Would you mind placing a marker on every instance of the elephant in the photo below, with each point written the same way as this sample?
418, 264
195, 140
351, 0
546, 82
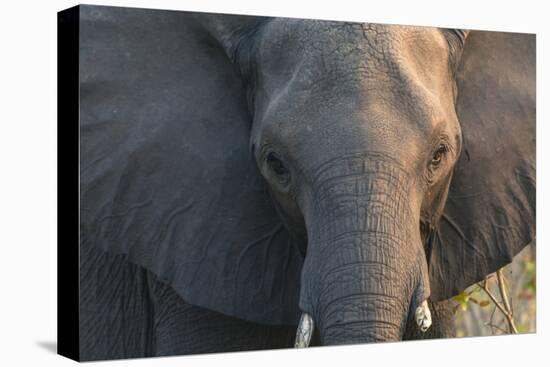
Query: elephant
252, 182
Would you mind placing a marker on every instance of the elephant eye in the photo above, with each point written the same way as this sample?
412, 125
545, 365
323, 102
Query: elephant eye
276, 165
438, 155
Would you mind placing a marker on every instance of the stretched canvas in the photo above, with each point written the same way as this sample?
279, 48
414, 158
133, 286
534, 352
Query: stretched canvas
252, 182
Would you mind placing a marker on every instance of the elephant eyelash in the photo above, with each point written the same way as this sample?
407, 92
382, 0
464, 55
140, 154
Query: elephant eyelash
436, 161
278, 171
276, 165
439, 154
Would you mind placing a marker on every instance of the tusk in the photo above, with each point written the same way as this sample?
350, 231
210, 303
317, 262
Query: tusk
423, 317
304, 332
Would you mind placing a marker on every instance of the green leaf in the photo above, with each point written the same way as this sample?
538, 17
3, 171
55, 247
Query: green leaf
484, 303
522, 328
462, 299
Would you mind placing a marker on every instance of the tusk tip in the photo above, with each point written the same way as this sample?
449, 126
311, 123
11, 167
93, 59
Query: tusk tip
423, 317
304, 332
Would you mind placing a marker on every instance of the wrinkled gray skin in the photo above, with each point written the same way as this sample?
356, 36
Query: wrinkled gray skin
354, 131
328, 138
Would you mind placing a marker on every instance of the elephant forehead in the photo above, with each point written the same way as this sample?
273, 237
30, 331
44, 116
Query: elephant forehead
350, 87
321, 51
352, 67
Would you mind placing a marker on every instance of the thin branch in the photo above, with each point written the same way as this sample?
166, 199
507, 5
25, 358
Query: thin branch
496, 327
491, 320
492, 297
506, 311
506, 302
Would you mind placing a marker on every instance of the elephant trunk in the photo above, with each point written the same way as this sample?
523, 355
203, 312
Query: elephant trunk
365, 268
365, 294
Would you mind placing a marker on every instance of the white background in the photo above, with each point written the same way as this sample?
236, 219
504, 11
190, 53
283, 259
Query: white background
28, 182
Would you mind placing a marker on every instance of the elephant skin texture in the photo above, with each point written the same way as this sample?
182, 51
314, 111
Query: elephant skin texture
237, 172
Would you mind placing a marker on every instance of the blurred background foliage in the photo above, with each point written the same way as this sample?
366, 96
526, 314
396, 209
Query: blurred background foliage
476, 314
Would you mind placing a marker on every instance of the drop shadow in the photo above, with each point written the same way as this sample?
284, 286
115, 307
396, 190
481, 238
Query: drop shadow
50, 346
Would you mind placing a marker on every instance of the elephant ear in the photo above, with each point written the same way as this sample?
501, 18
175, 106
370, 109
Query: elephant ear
167, 178
490, 212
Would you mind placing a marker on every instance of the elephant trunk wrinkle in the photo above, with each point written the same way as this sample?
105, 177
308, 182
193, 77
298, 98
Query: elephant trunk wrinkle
362, 302
365, 265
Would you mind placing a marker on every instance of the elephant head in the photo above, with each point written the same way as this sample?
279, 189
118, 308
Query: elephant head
269, 167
